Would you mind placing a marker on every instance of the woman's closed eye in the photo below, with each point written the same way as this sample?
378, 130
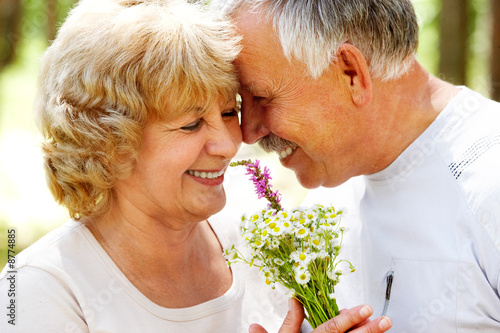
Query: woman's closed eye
192, 126
230, 113
195, 125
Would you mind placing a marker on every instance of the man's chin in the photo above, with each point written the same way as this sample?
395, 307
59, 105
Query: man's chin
308, 181
311, 180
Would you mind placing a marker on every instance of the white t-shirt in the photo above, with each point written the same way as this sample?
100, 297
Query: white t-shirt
66, 282
432, 218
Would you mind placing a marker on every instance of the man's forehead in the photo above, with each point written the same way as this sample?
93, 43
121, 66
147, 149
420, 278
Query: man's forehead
258, 67
257, 31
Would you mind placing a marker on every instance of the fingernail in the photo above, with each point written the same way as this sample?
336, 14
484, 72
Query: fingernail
290, 303
365, 311
385, 323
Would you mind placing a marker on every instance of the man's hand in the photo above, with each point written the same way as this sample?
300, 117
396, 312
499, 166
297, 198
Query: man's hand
353, 320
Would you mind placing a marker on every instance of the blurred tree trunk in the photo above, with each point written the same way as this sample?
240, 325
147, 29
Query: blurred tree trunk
453, 41
10, 30
56, 11
51, 19
495, 48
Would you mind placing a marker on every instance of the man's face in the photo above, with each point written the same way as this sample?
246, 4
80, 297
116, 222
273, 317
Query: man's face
280, 100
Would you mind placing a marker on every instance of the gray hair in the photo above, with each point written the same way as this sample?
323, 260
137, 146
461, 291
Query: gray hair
311, 31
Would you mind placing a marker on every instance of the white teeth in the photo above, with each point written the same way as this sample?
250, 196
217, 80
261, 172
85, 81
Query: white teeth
286, 152
203, 174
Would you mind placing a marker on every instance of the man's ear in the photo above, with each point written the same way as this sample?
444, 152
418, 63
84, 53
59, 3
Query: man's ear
354, 74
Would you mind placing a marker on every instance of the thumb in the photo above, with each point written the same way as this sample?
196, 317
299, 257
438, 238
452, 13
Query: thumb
256, 328
291, 324
294, 317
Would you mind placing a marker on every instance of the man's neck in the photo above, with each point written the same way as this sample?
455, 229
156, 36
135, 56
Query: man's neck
407, 106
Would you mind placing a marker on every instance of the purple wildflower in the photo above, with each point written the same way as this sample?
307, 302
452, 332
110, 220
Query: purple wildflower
260, 179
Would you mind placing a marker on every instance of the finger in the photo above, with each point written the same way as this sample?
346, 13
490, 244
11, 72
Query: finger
366, 321
256, 328
346, 319
343, 311
294, 317
378, 325
291, 323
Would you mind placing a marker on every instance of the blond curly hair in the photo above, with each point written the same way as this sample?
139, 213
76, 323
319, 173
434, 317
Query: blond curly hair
114, 66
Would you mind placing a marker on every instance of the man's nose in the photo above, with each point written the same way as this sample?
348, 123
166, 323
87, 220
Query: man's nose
252, 122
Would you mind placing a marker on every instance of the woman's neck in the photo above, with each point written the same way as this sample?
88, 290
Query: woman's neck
173, 265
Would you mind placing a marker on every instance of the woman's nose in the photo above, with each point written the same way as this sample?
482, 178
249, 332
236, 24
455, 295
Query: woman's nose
225, 139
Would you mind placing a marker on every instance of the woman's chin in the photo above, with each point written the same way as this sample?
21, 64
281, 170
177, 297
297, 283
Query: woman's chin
211, 207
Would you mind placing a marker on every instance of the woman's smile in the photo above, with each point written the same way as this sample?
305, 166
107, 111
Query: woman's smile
212, 178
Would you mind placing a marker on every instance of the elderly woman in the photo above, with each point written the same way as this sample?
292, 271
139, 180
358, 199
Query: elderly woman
138, 112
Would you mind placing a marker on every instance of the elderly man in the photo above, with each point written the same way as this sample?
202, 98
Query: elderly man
333, 86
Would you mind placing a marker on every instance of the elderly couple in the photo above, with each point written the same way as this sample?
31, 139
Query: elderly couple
137, 107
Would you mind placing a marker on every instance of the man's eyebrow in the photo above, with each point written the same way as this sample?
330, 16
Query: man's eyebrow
254, 90
248, 87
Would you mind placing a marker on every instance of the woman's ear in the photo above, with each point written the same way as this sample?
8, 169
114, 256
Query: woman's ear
354, 74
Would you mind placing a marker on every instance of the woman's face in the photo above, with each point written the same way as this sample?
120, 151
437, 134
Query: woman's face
181, 163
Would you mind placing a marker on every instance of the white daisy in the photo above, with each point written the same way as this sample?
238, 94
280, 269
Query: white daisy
302, 257
230, 253
264, 234
279, 261
287, 227
257, 243
278, 230
274, 244
302, 276
302, 232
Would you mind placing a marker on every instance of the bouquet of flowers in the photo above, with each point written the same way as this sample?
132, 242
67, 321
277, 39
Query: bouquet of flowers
298, 249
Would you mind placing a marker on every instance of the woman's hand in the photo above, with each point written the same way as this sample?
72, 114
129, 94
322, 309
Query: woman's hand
354, 320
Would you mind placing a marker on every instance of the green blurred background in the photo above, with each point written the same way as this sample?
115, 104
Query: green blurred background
460, 46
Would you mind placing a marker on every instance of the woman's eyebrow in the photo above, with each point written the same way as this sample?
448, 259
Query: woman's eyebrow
195, 109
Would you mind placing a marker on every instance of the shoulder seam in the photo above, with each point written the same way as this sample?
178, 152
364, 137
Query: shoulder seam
475, 151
